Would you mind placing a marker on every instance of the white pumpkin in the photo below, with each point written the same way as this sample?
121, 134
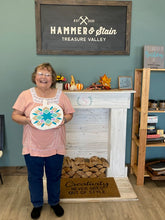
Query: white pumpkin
73, 87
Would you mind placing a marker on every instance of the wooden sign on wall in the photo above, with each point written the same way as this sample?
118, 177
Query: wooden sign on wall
154, 57
83, 27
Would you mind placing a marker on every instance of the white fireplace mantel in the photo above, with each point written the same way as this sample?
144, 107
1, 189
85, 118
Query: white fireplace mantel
99, 127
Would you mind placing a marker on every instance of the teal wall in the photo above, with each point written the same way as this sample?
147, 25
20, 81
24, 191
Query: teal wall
18, 58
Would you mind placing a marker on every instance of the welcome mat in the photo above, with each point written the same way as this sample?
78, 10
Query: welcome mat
88, 188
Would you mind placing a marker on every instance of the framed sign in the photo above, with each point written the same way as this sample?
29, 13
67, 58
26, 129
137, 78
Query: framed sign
83, 27
125, 82
154, 57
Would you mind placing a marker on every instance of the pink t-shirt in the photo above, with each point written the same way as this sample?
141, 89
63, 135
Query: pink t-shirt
37, 142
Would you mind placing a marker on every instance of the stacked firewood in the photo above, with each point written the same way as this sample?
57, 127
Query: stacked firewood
84, 168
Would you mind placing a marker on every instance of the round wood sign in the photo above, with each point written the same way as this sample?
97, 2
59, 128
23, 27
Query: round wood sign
46, 116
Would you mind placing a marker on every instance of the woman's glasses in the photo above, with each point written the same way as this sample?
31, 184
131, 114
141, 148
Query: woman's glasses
46, 74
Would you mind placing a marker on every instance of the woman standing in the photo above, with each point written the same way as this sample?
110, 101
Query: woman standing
43, 148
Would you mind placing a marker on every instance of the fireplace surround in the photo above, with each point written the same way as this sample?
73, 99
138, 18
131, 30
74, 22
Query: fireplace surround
98, 127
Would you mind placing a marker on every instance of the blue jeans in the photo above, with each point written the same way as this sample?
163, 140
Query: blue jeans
53, 168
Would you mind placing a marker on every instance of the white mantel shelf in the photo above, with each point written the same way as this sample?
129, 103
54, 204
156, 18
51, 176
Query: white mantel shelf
98, 127
100, 98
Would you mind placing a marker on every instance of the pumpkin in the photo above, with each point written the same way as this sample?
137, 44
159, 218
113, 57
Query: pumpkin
67, 86
73, 87
79, 86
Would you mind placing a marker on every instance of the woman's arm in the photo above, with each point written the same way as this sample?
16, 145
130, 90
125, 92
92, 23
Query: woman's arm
68, 117
20, 118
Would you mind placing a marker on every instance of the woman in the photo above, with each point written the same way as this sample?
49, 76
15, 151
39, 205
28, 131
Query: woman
43, 148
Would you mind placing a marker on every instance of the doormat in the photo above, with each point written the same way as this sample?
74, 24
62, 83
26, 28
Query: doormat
88, 188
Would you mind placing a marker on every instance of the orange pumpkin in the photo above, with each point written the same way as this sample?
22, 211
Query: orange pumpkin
79, 86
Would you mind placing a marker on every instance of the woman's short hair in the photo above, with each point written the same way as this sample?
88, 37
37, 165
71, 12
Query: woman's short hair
49, 68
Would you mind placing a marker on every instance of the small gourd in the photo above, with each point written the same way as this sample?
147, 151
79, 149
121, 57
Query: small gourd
79, 86
73, 87
67, 86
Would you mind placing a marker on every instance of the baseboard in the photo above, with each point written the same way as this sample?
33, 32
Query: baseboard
13, 171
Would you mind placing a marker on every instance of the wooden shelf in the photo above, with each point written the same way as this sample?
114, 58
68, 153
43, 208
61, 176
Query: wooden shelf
153, 177
156, 144
135, 170
149, 111
156, 70
140, 116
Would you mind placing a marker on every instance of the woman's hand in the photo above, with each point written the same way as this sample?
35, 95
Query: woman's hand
20, 118
66, 119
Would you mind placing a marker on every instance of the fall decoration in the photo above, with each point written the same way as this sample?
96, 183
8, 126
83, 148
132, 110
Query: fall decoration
46, 116
60, 78
72, 80
67, 86
79, 86
73, 87
72, 84
103, 83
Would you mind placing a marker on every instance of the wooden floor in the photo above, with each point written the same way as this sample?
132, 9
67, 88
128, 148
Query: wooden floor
15, 203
